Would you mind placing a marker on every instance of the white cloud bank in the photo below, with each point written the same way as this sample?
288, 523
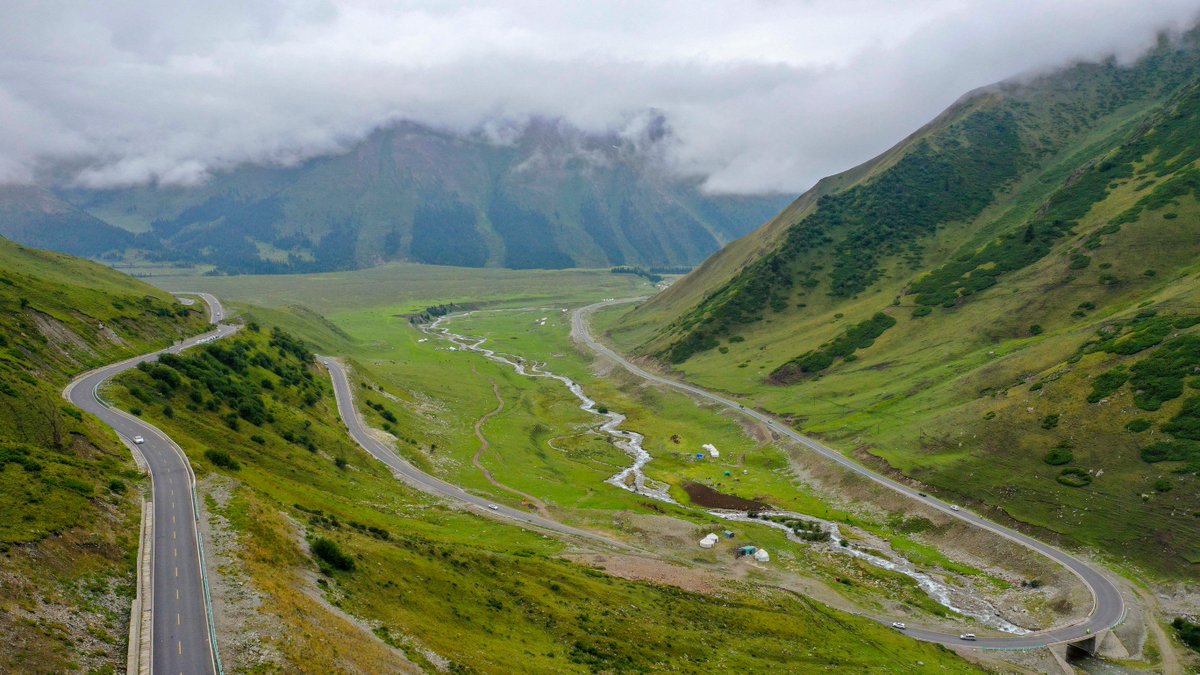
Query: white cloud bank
761, 96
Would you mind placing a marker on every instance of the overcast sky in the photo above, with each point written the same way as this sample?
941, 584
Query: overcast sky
761, 96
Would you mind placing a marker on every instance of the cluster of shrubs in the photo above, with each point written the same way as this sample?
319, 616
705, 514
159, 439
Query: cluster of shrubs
303, 440
329, 553
1074, 476
1159, 377
1188, 632
327, 520
222, 459
858, 336
931, 185
1147, 329
806, 530
383, 412
1060, 454
1173, 451
1107, 383
637, 271
16, 453
911, 524
434, 311
227, 379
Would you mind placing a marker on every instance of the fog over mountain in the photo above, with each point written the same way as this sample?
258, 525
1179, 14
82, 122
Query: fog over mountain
757, 97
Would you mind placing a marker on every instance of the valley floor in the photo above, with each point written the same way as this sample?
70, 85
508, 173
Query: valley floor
430, 398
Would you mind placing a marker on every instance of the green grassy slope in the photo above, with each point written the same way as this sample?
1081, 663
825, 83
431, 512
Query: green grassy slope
68, 489
943, 328
437, 582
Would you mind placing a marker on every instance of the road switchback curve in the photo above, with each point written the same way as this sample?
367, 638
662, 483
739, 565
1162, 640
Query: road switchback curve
1108, 606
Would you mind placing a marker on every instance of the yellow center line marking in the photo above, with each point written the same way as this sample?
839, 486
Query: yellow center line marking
172, 519
176, 593
181, 647
172, 534
177, 618
176, 571
175, 551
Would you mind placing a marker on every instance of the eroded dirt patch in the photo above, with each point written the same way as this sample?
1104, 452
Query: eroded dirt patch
702, 495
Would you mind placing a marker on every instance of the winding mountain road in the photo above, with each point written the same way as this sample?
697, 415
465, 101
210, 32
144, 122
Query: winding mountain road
427, 483
1108, 606
181, 631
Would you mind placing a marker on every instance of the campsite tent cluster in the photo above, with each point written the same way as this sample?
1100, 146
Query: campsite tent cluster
761, 555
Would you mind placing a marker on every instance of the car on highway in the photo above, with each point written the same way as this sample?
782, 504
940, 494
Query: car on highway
899, 625
493, 507
969, 637
139, 440
922, 494
953, 507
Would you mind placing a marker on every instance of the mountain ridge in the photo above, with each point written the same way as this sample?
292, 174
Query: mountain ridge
977, 350
550, 196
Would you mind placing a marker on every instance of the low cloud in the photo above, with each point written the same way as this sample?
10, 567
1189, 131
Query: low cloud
761, 96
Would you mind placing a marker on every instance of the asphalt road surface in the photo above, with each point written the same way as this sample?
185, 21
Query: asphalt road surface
1108, 607
180, 632
427, 483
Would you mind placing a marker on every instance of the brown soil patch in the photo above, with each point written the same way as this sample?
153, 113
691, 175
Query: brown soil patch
702, 495
636, 568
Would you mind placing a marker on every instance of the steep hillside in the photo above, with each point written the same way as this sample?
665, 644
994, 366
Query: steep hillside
69, 504
36, 217
549, 197
948, 308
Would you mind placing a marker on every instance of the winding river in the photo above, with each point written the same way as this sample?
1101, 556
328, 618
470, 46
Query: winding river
947, 596
634, 479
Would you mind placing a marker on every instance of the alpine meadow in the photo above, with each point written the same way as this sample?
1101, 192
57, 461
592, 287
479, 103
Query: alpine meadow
499, 337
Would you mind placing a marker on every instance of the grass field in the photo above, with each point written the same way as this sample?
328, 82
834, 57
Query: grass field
434, 396
436, 581
407, 288
677, 428
429, 398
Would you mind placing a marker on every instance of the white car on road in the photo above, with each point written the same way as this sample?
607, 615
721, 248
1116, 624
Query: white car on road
493, 507
898, 625
139, 440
